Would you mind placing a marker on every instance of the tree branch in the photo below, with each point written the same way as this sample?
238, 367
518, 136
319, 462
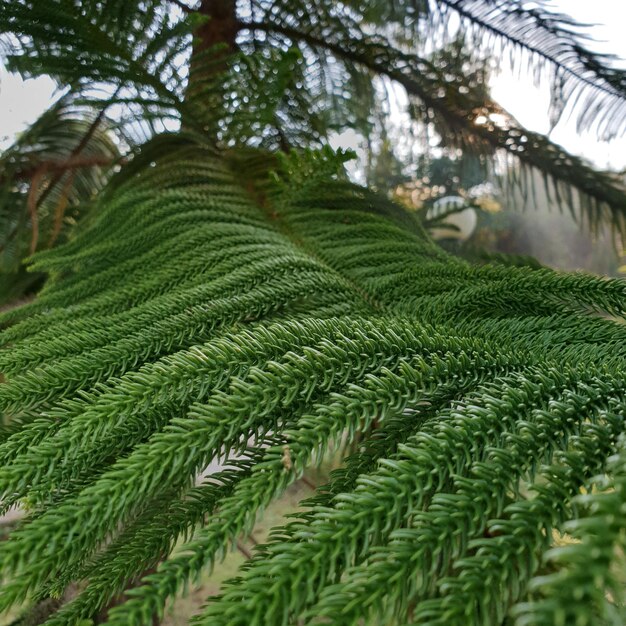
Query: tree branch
74, 163
31, 205
459, 111
609, 87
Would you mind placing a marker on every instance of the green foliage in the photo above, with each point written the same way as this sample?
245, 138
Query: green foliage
227, 305
583, 589
230, 298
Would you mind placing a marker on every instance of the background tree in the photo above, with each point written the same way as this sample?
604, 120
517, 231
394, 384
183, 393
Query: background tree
232, 295
47, 180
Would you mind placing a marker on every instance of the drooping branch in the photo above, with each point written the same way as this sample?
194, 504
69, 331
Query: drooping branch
462, 112
31, 205
550, 39
59, 211
555, 55
80, 146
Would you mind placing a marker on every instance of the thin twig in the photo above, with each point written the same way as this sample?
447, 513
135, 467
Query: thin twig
71, 163
308, 483
244, 550
59, 212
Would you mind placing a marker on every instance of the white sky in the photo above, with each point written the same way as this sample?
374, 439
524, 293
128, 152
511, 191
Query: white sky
22, 101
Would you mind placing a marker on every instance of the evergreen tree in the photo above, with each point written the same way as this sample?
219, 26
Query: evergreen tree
232, 295
46, 188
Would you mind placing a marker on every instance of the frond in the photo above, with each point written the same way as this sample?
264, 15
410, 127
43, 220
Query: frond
532, 36
110, 52
234, 305
585, 585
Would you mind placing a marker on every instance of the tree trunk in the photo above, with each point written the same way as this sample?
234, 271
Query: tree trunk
214, 41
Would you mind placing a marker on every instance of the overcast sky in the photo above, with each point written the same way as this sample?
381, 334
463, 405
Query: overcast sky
21, 102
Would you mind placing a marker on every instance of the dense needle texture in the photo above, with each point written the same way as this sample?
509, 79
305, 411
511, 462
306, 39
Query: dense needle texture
223, 293
230, 304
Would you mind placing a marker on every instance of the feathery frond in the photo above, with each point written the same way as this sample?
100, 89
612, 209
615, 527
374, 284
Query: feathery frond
233, 298
214, 309
582, 81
